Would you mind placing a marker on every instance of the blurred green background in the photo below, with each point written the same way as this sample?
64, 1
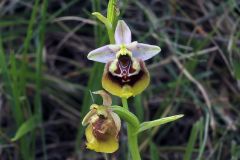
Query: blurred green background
46, 79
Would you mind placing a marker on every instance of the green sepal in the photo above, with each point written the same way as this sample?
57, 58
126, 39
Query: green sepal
108, 25
147, 125
103, 19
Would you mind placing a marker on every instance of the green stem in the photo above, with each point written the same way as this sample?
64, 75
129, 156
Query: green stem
132, 136
111, 36
126, 115
112, 18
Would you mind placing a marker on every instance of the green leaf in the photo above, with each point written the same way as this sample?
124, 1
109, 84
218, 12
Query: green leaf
146, 125
26, 127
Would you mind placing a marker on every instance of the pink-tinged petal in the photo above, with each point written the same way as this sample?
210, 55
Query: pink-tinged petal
143, 51
104, 54
122, 33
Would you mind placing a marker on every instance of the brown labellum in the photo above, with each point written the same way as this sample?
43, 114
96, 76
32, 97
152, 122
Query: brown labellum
102, 128
125, 74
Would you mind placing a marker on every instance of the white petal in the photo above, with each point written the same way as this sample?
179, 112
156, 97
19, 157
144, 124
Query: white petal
122, 33
143, 51
104, 54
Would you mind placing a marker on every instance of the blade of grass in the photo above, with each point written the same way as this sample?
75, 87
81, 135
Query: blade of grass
71, 3
7, 23
154, 153
26, 44
139, 109
38, 83
205, 137
30, 152
235, 151
192, 140
14, 96
26, 127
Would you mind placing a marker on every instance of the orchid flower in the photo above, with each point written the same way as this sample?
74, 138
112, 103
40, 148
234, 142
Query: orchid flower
125, 73
103, 126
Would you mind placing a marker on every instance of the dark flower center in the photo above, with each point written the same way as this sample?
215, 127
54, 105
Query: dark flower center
125, 74
125, 67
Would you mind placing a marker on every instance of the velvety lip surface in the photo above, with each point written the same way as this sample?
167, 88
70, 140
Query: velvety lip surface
124, 69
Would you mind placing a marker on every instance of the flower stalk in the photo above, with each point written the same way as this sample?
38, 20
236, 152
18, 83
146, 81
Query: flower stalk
132, 136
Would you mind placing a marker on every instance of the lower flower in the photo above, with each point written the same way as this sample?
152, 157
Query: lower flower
103, 126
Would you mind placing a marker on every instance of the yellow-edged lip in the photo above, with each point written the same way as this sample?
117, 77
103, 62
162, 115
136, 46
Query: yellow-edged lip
108, 145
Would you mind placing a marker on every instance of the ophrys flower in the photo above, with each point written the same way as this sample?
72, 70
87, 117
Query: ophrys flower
103, 126
125, 73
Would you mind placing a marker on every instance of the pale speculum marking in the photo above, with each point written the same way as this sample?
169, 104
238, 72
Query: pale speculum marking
125, 68
125, 73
